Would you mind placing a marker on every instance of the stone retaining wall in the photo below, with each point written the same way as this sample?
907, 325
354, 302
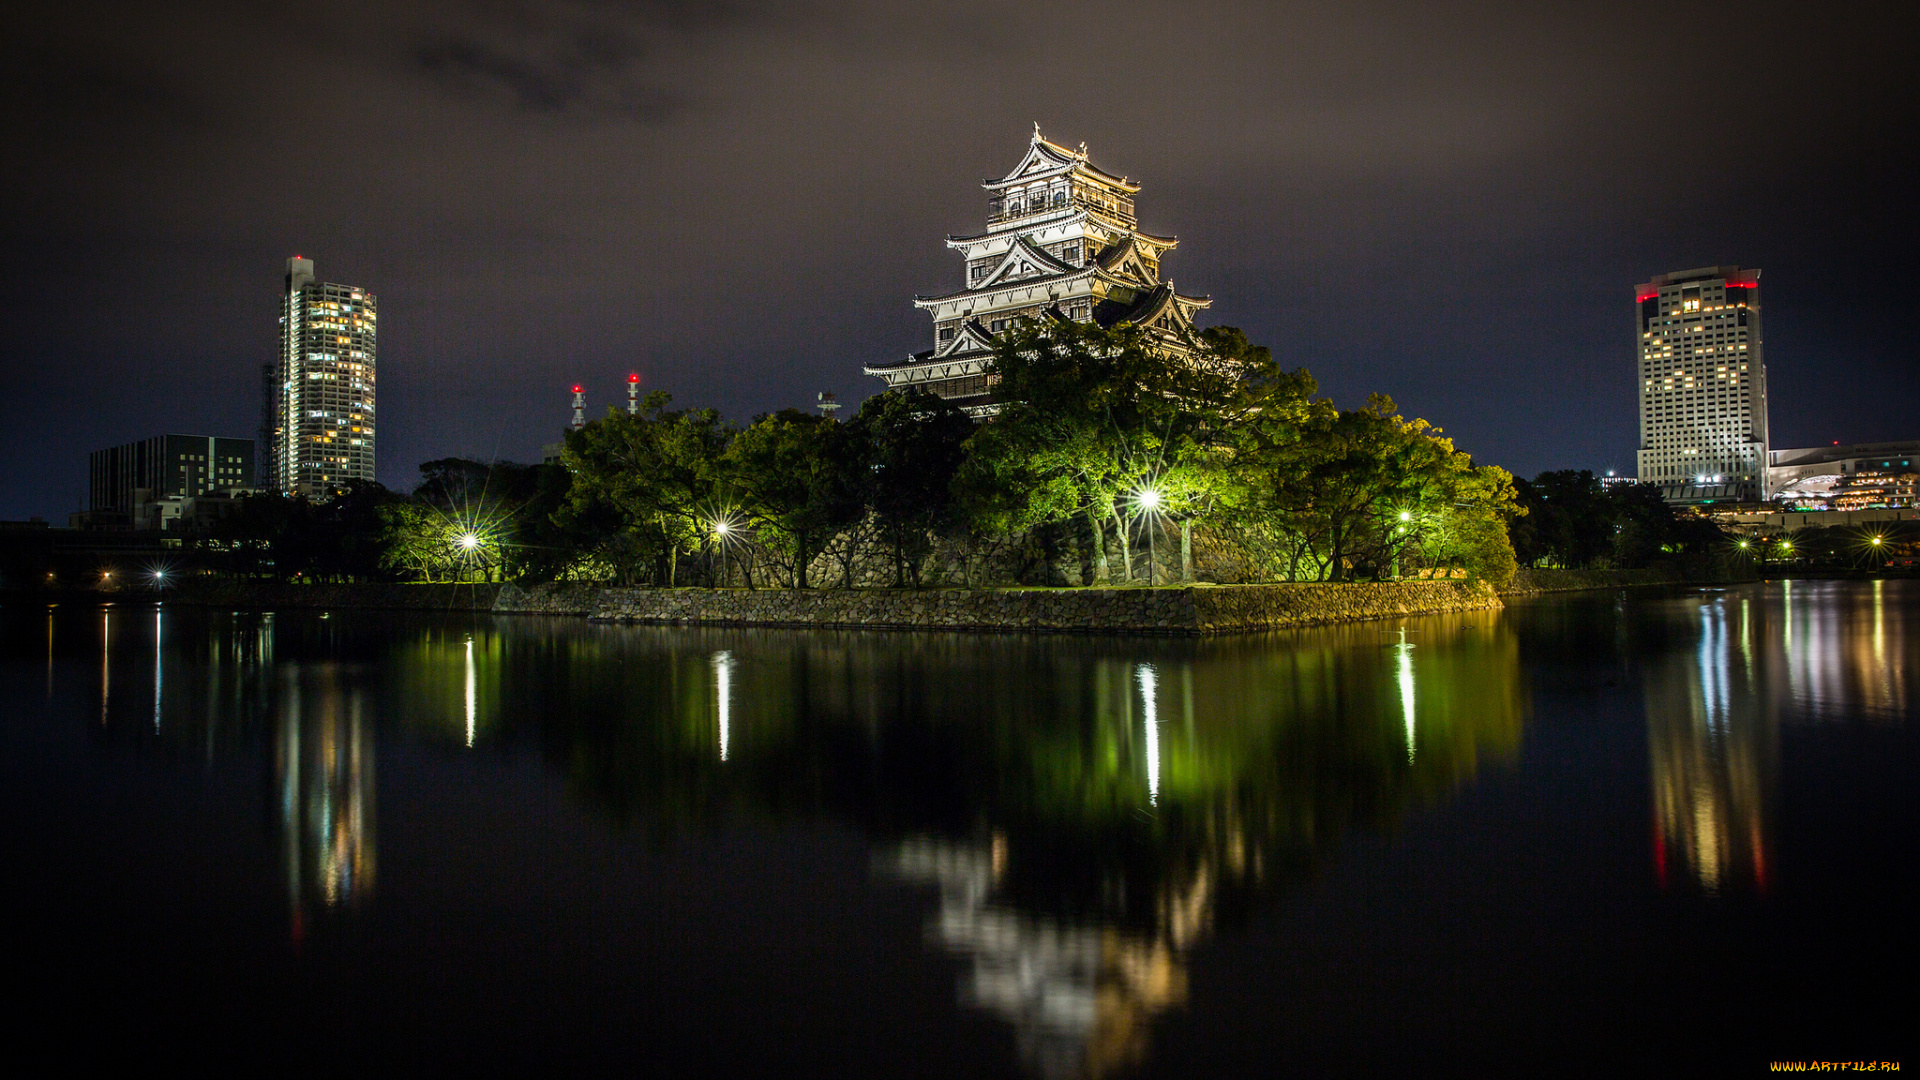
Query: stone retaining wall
550, 599
1189, 610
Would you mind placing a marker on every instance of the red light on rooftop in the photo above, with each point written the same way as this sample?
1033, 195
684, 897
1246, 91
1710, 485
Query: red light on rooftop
634, 377
1644, 297
1743, 284
576, 388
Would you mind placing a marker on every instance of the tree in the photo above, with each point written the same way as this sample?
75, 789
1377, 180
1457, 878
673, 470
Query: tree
787, 471
645, 487
1093, 417
901, 454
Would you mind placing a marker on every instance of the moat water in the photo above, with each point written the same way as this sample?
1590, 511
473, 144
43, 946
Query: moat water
1592, 829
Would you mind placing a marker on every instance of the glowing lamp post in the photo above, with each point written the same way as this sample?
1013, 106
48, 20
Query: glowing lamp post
1148, 500
1406, 519
721, 530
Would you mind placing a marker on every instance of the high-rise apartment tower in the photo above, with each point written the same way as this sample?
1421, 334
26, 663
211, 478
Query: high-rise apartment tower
320, 394
1703, 385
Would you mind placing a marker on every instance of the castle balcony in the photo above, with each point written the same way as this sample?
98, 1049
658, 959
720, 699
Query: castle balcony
1118, 210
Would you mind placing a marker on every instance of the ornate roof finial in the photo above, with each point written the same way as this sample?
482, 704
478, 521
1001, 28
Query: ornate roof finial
1036, 131
1083, 151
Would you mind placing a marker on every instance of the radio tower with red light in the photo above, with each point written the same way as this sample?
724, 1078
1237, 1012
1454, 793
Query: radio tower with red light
579, 407
633, 394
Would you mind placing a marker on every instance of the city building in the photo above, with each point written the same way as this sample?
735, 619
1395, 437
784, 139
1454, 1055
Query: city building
1703, 386
319, 413
1062, 244
1854, 477
126, 483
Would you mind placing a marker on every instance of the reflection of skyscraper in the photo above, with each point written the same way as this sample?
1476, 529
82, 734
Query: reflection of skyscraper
323, 771
1712, 742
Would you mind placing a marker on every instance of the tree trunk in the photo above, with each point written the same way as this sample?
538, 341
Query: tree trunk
1126, 548
1186, 550
1101, 573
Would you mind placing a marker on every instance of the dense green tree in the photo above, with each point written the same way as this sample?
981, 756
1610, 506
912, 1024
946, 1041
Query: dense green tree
787, 471
901, 454
1092, 419
1575, 522
645, 488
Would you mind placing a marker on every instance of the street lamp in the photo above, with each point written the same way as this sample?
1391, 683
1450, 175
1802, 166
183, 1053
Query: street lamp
467, 541
721, 529
1148, 499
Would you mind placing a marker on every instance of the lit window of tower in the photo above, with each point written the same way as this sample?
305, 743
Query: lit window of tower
1702, 385
319, 411
1062, 244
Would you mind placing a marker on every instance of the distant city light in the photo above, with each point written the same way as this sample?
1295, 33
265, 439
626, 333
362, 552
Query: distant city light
1876, 541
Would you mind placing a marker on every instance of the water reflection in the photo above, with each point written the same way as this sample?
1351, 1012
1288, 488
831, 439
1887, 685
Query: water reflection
1080, 997
723, 697
1719, 669
1713, 741
1076, 816
323, 773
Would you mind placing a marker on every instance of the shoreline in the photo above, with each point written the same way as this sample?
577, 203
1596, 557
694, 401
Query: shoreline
1170, 610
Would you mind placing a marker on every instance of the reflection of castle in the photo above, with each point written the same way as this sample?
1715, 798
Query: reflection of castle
1080, 997
323, 773
1712, 744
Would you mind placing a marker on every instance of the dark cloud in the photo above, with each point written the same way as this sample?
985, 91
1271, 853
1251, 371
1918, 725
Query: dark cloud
1444, 202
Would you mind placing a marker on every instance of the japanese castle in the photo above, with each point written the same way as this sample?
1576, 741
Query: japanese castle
1060, 244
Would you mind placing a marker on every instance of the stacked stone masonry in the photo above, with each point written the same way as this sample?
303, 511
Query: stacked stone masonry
1186, 611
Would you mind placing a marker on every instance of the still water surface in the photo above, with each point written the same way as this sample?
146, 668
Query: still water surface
1589, 829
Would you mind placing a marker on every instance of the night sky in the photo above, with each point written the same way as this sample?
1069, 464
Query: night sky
1450, 204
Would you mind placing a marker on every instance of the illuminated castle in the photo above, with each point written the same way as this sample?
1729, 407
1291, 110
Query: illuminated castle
1061, 243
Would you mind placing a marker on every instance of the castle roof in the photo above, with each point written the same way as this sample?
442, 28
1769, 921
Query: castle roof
1045, 159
